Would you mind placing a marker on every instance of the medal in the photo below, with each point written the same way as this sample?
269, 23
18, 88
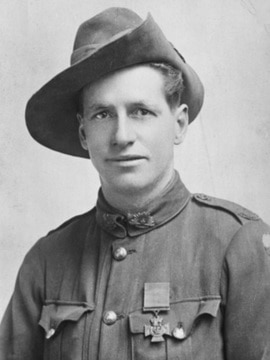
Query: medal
157, 329
156, 299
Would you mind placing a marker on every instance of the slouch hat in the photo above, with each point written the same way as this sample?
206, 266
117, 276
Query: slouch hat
112, 40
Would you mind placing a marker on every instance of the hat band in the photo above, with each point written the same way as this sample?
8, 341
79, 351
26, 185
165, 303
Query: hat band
85, 51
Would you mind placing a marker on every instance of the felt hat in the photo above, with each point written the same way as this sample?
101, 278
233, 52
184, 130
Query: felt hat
112, 40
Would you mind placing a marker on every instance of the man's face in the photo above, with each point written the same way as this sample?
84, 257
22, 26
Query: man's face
129, 130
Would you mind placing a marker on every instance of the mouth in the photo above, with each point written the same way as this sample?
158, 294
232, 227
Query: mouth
127, 159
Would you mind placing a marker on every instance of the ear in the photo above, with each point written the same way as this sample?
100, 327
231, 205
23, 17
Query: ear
181, 123
82, 133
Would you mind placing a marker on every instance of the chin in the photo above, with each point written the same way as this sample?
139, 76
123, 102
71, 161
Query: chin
130, 183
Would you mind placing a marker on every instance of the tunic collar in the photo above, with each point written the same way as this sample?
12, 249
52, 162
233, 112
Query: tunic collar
157, 213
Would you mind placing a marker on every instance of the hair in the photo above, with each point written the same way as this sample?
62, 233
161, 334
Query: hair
173, 84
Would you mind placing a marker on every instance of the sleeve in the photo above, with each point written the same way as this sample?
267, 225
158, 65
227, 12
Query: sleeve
246, 273
20, 335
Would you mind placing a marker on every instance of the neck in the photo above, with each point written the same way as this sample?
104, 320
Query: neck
133, 200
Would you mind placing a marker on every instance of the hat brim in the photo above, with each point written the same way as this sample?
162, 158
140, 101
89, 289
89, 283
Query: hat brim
51, 112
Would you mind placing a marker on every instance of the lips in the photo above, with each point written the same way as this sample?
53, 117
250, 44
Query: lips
126, 158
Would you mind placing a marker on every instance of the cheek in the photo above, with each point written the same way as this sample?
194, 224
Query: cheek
96, 138
163, 136
165, 143
162, 151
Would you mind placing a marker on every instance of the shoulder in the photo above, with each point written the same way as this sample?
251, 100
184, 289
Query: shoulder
74, 222
67, 237
225, 207
220, 221
249, 230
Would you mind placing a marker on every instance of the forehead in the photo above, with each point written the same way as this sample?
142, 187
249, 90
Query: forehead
129, 84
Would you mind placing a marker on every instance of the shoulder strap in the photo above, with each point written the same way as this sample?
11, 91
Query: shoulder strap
242, 214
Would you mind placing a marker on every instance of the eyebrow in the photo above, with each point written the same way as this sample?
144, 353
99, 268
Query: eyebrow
138, 103
144, 104
98, 106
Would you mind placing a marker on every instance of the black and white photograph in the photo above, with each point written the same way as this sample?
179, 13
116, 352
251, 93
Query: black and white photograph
135, 180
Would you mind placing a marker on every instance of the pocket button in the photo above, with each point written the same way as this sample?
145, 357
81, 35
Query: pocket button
179, 333
50, 333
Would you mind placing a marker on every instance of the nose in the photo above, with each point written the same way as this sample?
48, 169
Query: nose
123, 133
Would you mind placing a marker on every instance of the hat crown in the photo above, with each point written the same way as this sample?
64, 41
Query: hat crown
105, 25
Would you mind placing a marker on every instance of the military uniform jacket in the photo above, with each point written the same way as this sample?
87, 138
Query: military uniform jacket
80, 291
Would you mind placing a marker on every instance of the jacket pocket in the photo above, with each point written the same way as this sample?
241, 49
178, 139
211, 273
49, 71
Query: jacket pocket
64, 327
188, 324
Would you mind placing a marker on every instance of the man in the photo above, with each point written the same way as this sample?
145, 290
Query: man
152, 272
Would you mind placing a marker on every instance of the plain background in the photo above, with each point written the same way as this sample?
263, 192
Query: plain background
227, 150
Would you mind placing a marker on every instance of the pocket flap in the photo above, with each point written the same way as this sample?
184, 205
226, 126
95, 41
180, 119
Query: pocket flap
53, 315
181, 318
209, 307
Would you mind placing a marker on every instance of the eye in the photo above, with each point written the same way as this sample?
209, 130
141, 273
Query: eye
102, 115
141, 112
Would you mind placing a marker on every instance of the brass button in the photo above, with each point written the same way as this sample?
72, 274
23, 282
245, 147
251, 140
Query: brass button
120, 253
109, 317
50, 333
179, 333
203, 197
